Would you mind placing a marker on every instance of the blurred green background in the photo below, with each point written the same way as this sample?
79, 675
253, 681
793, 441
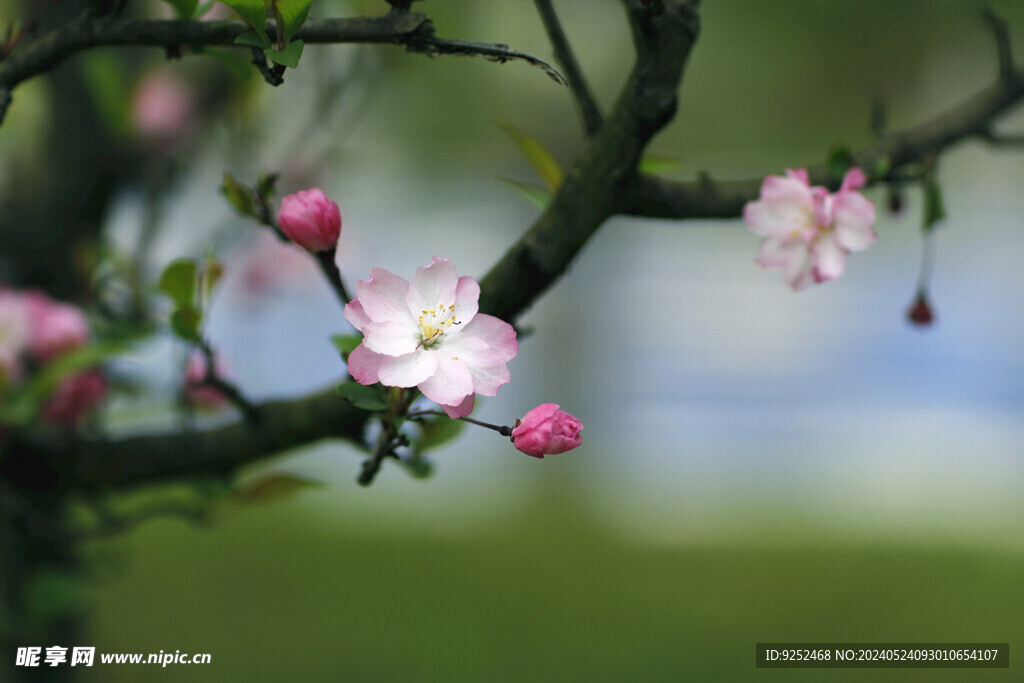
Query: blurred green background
757, 465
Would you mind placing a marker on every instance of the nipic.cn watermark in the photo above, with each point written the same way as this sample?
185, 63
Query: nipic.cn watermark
58, 655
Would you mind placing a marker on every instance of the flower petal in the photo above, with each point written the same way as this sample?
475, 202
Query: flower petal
450, 383
467, 297
383, 296
392, 338
406, 371
797, 271
853, 180
363, 364
829, 258
355, 314
494, 333
460, 410
853, 216
431, 286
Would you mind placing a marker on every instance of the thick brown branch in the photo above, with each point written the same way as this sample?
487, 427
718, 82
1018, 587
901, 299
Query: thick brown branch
900, 152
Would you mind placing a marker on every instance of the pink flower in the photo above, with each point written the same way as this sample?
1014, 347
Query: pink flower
428, 334
163, 108
311, 220
547, 430
56, 327
15, 333
75, 397
807, 231
197, 391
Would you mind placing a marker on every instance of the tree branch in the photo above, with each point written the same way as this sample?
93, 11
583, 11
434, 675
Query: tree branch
589, 111
663, 35
39, 54
899, 152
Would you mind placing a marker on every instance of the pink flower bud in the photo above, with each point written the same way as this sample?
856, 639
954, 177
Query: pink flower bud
76, 396
56, 327
547, 430
920, 312
311, 220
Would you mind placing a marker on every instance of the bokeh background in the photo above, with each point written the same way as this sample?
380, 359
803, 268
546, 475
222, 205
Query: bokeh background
757, 465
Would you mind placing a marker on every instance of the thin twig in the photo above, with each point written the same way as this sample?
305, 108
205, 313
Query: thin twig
1004, 52
330, 269
230, 391
589, 110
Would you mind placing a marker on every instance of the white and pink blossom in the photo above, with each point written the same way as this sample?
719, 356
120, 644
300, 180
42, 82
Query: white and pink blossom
807, 231
56, 327
427, 333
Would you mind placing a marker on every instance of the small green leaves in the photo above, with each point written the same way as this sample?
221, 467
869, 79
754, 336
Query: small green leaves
252, 39
178, 281
254, 12
934, 207
290, 15
537, 196
239, 196
840, 160
542, 161
346, 344
362, 396
437, 432
289, 56
190, 289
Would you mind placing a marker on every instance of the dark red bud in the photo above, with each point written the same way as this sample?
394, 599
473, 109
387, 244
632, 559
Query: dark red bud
920, 313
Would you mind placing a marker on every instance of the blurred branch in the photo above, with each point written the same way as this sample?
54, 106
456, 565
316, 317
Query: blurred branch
40, 53
904, 154
228, 389
663, 35
589, 111
1004, 52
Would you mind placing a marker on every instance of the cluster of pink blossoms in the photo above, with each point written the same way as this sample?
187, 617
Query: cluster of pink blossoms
36, 330
807, 231
427, 332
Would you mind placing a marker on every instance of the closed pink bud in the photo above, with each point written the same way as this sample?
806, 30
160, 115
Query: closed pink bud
311, 220
75, 397
547, 430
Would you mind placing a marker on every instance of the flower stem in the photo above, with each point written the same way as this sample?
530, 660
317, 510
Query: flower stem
503, 430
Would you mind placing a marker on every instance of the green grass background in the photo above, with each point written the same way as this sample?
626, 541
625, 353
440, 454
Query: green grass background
277, 594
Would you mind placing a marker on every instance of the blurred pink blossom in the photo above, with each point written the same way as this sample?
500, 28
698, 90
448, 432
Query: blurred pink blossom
546, 430
428, 333
56, 327
807, 231
310, 219
75, 397
164, 108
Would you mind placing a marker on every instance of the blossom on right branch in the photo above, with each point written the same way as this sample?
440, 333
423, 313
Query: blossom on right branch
807, 231
546, 430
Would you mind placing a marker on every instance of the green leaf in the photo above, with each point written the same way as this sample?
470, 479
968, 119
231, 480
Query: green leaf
291, 14
653, 163
253, 39
185, 323
934, 206
274, 487
236, 64
437, 432
289, 56
253, 11
543, 163
840, 160
266, 184
211, 276
346, 344
420, 468
537, 196
362, 396
239, 196
178, 281
183, 9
